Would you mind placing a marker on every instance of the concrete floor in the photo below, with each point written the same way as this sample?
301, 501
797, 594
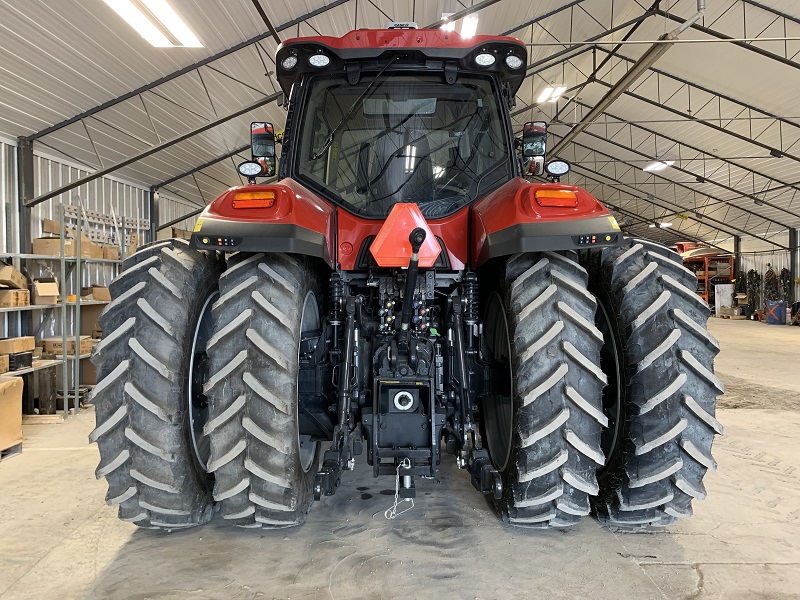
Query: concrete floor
58, 540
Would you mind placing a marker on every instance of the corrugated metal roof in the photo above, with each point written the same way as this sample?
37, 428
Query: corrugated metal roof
717, 102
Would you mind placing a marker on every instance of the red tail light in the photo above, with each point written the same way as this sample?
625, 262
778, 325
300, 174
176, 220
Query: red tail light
260, 199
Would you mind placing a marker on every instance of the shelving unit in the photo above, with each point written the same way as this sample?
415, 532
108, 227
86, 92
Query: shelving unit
70, 270
710, 271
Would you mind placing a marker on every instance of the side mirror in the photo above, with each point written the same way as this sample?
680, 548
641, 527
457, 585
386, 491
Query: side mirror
534, 139
262, 146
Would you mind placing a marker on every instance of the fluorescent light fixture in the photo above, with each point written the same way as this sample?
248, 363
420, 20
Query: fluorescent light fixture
543, 97
665, 225
658, 165
411, 158
652, 225
449, 25
174, 24
551, 94
662, 225
469, 26
143, 26
557, 93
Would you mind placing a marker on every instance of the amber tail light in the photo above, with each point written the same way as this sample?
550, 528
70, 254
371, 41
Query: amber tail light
556, 198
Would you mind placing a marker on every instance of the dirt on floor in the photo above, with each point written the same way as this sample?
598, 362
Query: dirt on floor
742, 393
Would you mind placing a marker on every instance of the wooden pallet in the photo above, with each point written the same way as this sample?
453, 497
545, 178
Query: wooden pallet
44, 419
9, 452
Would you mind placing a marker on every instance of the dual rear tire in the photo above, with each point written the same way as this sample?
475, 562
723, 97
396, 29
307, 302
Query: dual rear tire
196, 373
612, 391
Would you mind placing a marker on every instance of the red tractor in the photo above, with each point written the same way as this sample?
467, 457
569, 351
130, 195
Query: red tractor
402, 291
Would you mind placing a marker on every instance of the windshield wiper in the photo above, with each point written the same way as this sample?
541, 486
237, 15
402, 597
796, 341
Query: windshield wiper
329, 140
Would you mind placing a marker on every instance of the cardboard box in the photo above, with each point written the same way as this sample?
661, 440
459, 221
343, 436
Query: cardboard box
101, 293
51, 246
88, 373
12, 278
10, 411
110, 252
17, 344
91, 250
45, 291
14, 298
3, 363
89, 316
55, 345
51, 226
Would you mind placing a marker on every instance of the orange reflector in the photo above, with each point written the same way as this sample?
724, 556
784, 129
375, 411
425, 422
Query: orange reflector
391, 247
261, 199
556, 198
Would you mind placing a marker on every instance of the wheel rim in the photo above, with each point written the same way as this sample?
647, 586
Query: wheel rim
498, 411
610, 363
309, 322
198, 375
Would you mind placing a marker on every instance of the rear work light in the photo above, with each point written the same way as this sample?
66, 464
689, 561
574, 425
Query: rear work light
556, 198
262, 199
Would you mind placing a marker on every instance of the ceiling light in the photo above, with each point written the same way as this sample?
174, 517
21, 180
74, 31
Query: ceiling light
469, 26
544, 95
658, 165
557, 93
651, 225
143, 26
174, 24
551, 94
448, 25
665, 225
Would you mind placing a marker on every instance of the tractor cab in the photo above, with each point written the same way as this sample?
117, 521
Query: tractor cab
401, 115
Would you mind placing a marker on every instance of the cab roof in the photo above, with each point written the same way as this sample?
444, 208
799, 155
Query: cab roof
423, 48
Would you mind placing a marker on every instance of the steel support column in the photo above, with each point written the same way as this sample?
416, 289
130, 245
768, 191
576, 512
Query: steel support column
154, 207
794, 274
737, 254
24, 190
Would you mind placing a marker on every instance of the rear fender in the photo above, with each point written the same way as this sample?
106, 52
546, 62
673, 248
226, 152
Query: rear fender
298, 222
512, 219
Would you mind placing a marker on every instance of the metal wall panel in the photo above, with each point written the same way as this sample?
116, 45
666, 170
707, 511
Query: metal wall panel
8, 195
